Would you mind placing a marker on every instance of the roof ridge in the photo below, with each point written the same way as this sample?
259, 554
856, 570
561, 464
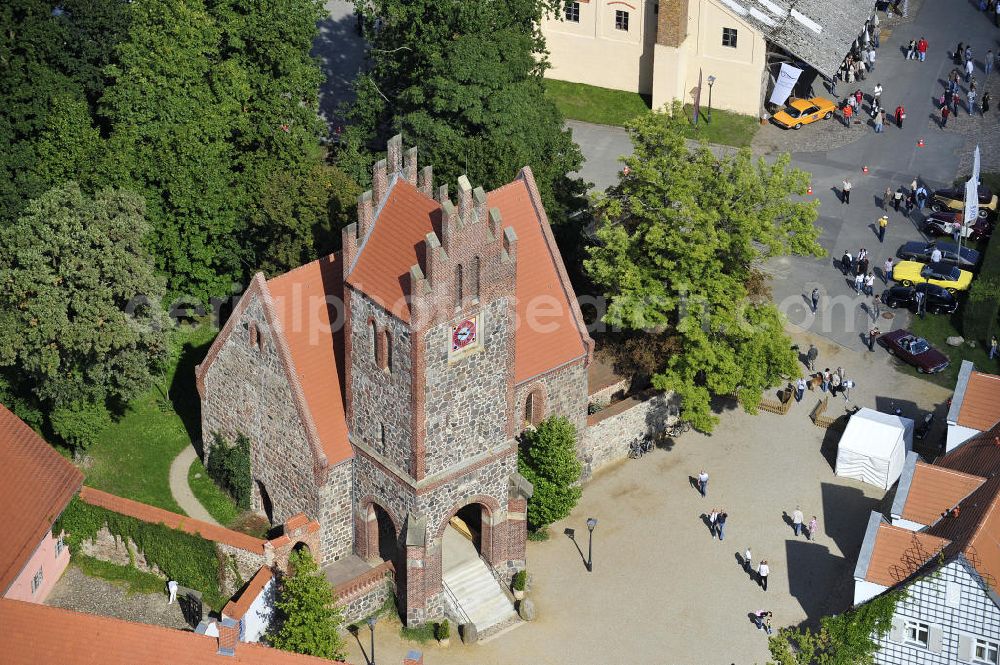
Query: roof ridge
944, 469
982, 521
334, 255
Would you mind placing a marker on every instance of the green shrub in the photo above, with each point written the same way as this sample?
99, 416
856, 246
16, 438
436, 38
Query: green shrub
80, 423
979, 318
443, 630
229, 466
547, 459
520, 580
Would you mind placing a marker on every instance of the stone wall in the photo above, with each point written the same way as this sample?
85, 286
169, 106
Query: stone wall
610, 430
246, 391
240, 567
363, 596
381, 397
466, 400
336, 513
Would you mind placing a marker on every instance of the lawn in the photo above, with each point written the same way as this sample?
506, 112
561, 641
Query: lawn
936, 329
726, 127
602, 106
216, 502
132, 457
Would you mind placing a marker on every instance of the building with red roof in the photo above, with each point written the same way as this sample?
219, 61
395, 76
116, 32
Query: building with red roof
38, 484
382, 387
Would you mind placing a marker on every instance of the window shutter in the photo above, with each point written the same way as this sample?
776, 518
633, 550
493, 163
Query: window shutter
896, 632
934, 639
952, 595
964, 648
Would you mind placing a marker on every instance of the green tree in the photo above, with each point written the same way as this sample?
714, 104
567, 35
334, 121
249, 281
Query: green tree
680, 245
547, 459
308, 619
463, 82
81, 327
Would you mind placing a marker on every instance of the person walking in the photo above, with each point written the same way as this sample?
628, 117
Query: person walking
969, 68
811, 356
845, 198
877, 93
936, 255
767, 618
919, 297
846, 262
944, 116
870, 284
858, 97
811, 528
758, 618
748, 562
834, 384
847, 112
871, 59
872, 335
703, 483
959, 51
713, 517
763, 570
875, 308
883, 222
921, 197
886, 198
988, 62
879, 121
800, 389
887, 270
900, 116
859, 281
797, 520
985, 103
825, 381
897, 198
846, 389
172, 590
956, 99
814, 298
970, 101
863, 265
720, 524
921, 49
911, 49
993, 347
909, 202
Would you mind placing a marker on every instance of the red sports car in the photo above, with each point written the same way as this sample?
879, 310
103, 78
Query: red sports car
914, 350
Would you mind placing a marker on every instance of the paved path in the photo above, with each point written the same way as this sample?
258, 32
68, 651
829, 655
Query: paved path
341, 52
82, 593
182, 491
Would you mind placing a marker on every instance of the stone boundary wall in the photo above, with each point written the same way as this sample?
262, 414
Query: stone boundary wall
605, 394
366, 593
610, 430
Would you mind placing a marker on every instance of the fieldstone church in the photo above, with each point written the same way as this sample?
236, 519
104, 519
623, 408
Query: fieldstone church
382, 387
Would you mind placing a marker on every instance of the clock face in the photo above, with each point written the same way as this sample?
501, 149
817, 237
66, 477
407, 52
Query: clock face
464, 335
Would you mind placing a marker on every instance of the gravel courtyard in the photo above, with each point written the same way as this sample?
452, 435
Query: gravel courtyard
662, 590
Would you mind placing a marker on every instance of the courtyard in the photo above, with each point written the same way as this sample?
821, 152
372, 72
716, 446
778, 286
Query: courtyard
663, 590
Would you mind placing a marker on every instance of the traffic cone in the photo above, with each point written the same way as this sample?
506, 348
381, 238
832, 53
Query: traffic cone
809, 190
920, 143
864, 169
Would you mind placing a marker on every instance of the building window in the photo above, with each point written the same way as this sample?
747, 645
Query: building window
373, 336
917, 632
254, 335
382, 438
60, 546
986, 651
729, 37
475, 278
458, 286
386, 363
572, 12
621, 20
36, 581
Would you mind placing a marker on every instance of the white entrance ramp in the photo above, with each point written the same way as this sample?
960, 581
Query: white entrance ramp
472, 586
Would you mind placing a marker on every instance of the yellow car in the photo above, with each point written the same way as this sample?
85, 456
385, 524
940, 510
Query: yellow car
945, 275
798, 112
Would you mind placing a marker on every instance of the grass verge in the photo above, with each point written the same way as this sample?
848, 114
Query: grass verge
132, 457
421, 634
127, 577
589, 103
726, 127
218, 504
936, 329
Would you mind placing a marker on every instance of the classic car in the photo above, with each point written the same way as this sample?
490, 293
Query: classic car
914, 350
953, 198
945, 275
945, 223
936, 299
921, 251
798, 112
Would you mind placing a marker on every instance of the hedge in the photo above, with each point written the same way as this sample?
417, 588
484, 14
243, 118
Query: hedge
187, 558
979, 320
229, 466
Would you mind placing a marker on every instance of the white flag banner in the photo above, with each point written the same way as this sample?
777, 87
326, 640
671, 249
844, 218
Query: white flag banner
787, 78
975, 165
971, 201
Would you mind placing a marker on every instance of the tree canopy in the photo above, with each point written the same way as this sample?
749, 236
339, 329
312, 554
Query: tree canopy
679, 252
547, 459
463, 82
308, 620
81, 324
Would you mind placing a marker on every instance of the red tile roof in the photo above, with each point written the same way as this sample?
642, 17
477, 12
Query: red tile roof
153, 515
898, 553
238, 606
936, 490
305, 314
33, 634
981, 405
37, 484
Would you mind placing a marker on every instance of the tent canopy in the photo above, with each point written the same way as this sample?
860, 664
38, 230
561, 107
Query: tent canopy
873, 447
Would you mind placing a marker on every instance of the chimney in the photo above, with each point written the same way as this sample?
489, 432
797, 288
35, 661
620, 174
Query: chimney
394, 154
510, 243
425, 181
380, 182
229, 635
479, 204
410, 166
495, 222
366, 215
672, 23
465, 200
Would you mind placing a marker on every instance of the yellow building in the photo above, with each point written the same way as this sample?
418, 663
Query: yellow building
664, 48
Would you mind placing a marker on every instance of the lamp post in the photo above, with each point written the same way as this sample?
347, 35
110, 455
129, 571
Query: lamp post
711, 82
371, 629
591, 523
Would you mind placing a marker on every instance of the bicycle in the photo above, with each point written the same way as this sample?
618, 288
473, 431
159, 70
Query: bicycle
640, 446
678, 428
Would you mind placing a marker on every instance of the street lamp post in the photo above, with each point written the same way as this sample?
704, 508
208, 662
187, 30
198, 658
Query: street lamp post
591, 523
371, 629
711, 82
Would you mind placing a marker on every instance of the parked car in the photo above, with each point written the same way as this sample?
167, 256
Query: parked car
953, 198
914, 350
922, 252
936, 299
798, 112
944, 224
944, 275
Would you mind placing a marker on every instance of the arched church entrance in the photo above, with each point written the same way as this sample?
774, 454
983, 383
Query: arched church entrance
382, 536
466, 536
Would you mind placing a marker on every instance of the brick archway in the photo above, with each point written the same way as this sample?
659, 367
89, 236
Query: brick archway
489, 507
378, 523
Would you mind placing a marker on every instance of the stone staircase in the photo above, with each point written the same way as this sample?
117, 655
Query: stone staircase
479, 595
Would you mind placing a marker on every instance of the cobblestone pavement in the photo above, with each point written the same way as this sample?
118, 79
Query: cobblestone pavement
80, 592
663, 591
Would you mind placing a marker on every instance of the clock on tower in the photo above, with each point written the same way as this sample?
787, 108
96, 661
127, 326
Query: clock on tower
465, 338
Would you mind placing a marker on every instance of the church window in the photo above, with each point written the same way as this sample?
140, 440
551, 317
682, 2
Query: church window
386, 359
534, 407
458, 286
374, 340
254, 335
382, 438
475, 278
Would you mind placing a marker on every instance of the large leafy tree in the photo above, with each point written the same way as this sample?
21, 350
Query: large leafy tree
81, 328
679, 251
308, 620
548, 460
463, 82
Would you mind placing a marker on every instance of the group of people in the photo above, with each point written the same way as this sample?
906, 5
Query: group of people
951, 98
917, 49
864, 279
854, 104
836, 381
717, 522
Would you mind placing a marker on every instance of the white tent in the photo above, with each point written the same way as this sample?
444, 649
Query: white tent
873, 447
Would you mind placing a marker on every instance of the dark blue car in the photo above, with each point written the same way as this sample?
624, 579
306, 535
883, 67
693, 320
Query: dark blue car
922, 251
